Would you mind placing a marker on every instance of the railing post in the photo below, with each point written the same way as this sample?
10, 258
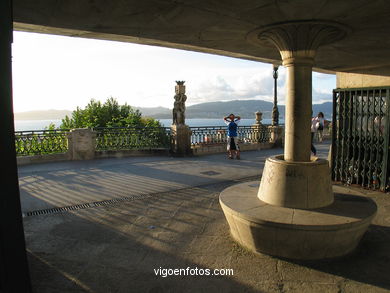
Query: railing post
258, 128
276, 135
81, 144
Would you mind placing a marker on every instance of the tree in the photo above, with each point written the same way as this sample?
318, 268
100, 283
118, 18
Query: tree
109, 114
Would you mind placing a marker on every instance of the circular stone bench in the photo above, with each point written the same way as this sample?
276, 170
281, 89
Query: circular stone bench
325, 232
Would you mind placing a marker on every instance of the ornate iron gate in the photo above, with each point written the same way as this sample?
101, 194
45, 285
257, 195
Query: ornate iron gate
360, 137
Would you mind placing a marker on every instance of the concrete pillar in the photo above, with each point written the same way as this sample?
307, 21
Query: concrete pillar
295, 183
14, 273
81, 144
298, 109
297, 43
294, 180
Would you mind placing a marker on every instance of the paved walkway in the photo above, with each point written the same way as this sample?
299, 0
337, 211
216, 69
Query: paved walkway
45, 186
174, 222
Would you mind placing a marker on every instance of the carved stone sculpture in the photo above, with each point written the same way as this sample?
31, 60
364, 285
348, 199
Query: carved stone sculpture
179, 106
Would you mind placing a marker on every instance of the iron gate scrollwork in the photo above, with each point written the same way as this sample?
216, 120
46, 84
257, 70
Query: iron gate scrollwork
360, 137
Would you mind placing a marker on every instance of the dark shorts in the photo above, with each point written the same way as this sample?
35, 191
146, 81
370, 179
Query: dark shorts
233, 144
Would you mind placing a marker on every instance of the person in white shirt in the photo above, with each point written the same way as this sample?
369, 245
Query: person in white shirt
313, 129
320, 126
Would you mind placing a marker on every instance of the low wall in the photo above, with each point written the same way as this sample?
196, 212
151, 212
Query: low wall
197, 150
221, 148
36, 159
131, 153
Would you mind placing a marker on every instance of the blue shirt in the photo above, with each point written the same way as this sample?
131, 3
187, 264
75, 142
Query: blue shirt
232, 128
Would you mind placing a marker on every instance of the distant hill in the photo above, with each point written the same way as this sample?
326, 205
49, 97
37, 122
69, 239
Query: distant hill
155, 111
42, 115
326, 108
244, 108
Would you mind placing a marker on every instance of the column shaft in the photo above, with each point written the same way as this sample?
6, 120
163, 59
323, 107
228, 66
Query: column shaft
298, 112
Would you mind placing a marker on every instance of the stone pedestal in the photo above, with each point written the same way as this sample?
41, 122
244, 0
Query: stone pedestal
81, 144
294, 212
181, 140
258, 128
304, 185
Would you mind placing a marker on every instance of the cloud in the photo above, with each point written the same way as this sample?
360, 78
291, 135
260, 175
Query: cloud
258, 85
241, 87
321, 96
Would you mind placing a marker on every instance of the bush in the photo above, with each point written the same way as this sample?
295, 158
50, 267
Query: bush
109, 114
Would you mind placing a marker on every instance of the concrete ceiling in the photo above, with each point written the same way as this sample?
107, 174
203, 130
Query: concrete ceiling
218, 27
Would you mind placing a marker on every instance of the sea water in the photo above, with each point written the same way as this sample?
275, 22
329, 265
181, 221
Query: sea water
24, 125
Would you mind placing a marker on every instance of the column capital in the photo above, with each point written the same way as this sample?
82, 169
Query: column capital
298, 41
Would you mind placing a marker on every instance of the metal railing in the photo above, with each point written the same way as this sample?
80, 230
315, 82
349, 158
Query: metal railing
126, 138
209, 135
37, 142
360, 143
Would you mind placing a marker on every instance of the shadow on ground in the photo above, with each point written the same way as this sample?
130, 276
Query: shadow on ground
117, 248
69, 183
365, 270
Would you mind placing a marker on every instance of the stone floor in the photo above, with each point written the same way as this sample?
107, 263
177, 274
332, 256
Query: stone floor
116, 247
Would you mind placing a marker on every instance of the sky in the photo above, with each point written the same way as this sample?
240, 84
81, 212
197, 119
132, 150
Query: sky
57, 72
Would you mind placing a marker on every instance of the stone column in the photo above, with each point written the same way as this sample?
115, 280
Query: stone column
283, 217
293, 180
297, 43
14, 272
298, 109
81, 144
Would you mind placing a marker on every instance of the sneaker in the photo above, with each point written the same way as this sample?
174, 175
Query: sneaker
238, 157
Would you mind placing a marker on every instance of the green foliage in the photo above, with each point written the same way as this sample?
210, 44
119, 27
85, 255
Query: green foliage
122, 127
49, 141
51, 126
109, 114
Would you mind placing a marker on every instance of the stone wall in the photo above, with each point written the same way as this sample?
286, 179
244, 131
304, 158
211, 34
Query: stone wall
355, 80
221, 148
